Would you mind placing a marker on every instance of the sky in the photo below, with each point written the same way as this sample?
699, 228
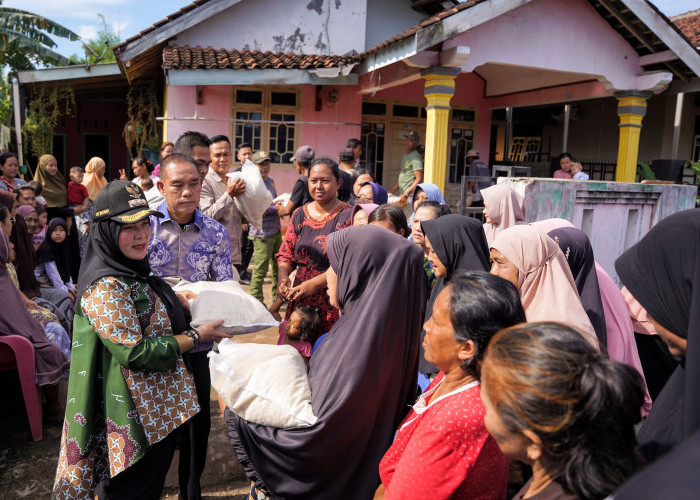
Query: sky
131, 16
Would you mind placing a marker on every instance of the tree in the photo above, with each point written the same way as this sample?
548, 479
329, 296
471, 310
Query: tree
99, 49
25, 40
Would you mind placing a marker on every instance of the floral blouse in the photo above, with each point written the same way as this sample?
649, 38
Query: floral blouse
128, 385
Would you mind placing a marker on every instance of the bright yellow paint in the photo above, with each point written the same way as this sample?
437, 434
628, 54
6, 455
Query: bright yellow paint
165, 113
630, 128
436, 133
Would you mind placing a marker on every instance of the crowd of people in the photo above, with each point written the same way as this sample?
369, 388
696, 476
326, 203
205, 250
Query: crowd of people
447, 357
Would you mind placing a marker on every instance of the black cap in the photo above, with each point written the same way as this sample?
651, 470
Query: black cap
123, 202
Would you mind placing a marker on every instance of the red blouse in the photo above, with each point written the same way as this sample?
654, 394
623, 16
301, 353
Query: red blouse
442, 450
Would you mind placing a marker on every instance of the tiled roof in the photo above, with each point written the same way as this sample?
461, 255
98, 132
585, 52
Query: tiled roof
689, 24
186, 57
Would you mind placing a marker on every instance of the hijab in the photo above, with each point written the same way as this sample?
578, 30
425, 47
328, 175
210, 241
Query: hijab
50, 362
91, 180
25, 210
506, 208
547, 288
460, 244
50, 251
432, 192
25, 256
579, 254
662, 271
362, 379
103, 258
54, 186
367, 207
379, 194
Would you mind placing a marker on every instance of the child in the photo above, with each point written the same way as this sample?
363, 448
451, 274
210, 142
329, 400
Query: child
302, 330
576, 171
38, 189
38, 237
53, 259
78, 196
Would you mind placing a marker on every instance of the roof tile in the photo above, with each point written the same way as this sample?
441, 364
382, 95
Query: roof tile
689, 24
186, 57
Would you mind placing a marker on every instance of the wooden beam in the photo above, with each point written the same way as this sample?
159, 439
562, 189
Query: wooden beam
658, 57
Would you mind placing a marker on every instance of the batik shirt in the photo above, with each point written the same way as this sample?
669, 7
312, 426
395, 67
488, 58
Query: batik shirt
128, 385
199, 252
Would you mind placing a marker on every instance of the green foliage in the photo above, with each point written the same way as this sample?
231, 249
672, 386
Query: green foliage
43, 113
100, 47
25, 40
142, 129
644, 171
5, 100
695, 165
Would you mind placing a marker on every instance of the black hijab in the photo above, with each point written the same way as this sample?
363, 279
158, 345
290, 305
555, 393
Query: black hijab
460, 244
103, 258
579, 254
661, 272
362, 377
57, 252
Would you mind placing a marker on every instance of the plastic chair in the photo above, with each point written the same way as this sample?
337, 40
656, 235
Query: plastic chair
17, 353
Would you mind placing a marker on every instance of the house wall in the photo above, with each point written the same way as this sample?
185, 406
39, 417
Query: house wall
302, 27
386, 18
96, 116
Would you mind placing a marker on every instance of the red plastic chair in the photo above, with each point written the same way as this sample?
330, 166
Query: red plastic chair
17, 353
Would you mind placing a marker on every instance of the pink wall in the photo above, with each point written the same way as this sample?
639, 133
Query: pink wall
182, 102
329, 140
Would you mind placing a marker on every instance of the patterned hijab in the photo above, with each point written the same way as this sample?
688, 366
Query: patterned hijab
55, 192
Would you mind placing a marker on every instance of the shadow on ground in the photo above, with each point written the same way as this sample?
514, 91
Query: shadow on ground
27, 468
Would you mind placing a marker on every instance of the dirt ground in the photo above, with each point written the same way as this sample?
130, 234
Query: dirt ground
27, 468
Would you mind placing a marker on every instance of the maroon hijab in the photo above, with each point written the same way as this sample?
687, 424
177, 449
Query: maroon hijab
362, 379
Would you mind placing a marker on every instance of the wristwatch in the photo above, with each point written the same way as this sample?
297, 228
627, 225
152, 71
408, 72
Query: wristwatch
194, 335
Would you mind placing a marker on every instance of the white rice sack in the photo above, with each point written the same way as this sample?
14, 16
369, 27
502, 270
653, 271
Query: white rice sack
217, 300
256, 199
284, 198
394, 200
263, 384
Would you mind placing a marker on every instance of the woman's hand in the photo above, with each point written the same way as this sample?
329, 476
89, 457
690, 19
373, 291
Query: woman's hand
283, 287
209, 332
302, 290
122, 175
73, 294
184, 297
30, 304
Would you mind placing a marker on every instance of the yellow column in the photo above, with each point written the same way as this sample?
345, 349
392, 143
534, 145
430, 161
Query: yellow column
631, 108
165, 112
439, 89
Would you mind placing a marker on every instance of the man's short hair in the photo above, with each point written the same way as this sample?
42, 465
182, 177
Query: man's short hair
186, 143
220, 138
244, 145
24, 187
346, 156
174, 158
353, 143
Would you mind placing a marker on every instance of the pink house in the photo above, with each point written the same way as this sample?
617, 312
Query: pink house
518, 80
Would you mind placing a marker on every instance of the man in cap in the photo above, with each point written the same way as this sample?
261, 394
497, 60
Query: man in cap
300, 194
266, 241
477, 168
411, 169
188, 245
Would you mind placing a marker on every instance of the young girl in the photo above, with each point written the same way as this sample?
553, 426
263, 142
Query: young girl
301, 330
53, 259
38, 237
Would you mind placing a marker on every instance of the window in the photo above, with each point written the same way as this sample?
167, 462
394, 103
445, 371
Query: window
266, 118
461, 141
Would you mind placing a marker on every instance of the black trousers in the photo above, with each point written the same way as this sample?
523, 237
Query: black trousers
246, 251
194, 434
143, 480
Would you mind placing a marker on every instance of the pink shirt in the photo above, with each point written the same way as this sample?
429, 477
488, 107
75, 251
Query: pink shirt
560, 174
